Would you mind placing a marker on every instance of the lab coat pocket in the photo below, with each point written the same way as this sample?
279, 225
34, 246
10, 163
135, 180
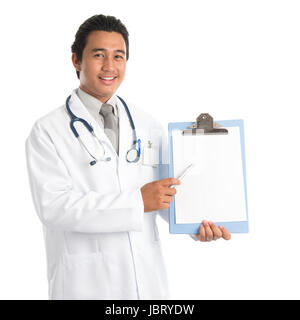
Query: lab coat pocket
85, 277
148, 173
150, 155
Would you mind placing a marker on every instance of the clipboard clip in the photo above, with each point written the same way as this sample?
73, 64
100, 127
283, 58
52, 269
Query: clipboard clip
204, 125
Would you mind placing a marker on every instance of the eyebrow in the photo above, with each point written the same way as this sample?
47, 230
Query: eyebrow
103, 49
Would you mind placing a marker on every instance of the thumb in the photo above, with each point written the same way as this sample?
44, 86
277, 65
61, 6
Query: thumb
225, 233
169, 181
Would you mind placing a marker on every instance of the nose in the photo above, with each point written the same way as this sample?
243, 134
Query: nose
108, 64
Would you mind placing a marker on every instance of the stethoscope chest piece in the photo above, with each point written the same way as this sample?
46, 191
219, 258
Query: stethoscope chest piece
132, 155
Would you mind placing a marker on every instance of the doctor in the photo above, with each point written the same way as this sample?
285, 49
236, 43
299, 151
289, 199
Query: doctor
93, 191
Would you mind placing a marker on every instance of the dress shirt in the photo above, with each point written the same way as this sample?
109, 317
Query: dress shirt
94, 105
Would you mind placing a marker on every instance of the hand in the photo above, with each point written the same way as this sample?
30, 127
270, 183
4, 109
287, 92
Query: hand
209, 231
158, 194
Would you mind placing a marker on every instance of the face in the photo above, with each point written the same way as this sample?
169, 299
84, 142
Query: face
103, 64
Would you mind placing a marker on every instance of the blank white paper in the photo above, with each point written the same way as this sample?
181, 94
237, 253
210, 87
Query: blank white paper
214, 189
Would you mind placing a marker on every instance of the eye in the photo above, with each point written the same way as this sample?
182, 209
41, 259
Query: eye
99, 55
119, 57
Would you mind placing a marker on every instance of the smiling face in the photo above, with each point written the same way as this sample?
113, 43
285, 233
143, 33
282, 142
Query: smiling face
103, 64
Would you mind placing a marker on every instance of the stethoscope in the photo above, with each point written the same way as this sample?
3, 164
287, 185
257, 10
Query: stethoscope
132, 155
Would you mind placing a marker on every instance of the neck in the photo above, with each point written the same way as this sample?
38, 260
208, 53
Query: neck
101, 98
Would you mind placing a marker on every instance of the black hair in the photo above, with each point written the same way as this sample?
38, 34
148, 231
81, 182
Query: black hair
98, 23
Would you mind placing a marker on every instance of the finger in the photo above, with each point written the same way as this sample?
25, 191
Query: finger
169, 181
169, 191
201, 235
208, 231
225, 233
167, 199
164, 205
217, 233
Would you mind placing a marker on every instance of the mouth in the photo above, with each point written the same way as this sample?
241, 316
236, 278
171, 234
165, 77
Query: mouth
107, 80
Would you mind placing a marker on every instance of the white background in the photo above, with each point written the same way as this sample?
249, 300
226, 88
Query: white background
233, 59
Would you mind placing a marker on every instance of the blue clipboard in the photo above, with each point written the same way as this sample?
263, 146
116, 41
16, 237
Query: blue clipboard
233, 227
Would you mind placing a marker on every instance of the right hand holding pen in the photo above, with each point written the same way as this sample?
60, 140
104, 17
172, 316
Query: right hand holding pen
157, 195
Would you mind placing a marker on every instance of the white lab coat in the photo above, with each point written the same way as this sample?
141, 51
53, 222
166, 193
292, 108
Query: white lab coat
99, 242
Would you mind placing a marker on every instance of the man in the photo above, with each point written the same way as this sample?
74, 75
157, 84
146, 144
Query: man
99, 219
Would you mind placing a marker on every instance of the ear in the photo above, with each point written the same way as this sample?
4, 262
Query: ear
76, 62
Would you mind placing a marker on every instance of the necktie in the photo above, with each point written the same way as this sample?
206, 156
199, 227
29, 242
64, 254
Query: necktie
111, 126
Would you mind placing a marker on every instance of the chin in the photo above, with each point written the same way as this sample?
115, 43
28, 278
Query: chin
99, 92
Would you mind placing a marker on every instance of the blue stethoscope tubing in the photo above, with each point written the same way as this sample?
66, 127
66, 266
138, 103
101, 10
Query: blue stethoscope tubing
133, 154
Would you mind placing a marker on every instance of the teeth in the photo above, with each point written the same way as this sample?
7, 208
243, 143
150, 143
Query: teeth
107, 78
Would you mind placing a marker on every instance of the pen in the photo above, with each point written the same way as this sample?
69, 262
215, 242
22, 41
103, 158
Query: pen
184, 173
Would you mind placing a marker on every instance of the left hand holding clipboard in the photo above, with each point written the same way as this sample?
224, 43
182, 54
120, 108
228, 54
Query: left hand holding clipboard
208, 231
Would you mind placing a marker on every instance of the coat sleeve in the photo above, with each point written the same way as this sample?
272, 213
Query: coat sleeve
59, 206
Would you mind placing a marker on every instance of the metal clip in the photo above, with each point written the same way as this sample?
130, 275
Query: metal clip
204, 125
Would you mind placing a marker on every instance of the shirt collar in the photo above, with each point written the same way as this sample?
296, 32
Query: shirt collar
94, 105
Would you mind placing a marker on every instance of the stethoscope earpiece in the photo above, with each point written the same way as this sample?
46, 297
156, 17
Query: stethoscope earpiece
92, 163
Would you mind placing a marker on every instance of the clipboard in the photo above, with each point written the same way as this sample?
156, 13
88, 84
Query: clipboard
205, 127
